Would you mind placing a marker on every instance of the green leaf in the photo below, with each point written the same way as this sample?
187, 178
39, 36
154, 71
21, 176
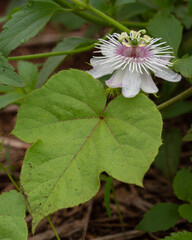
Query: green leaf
122, 2
126, 11
12, 215
70, 20
167, 159
99, 4
163, 3
179, 236
29, 73
5, 89
15, 3
182, 184
77, 138
159, 218
7, 74
184, 66
53, 62
10, 98
25, 24
182, 13
167, 27
185, 211
188, 136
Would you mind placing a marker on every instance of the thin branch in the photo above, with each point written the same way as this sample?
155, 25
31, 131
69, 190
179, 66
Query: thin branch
53, 228
187, 93
51, 54
10, 177
105, 17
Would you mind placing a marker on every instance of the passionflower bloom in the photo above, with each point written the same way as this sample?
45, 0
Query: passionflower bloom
132, 58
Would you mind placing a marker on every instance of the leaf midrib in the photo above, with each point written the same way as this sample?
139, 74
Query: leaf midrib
76, 154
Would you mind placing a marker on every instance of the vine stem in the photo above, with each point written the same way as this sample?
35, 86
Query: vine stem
97, 20
51, 54
135, 24
53, 228
19, 190
102, 15
10, 177
175, 99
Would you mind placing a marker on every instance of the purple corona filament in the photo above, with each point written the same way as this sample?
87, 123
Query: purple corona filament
131, 59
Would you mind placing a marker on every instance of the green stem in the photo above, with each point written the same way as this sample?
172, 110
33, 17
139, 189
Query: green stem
10, 177
82, 14
118, 209
175, 99
51, 54
105, 17
134, 24
97, 20
53, 228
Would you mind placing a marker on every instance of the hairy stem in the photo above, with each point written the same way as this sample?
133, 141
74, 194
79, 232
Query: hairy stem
176, 99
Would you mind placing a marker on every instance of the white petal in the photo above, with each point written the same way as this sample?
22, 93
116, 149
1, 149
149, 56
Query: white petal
131, 83
116, 79
94, 62
168, 74
147, 84
100, 69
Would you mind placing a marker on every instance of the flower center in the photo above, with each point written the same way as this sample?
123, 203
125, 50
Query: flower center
134, 38
133, 52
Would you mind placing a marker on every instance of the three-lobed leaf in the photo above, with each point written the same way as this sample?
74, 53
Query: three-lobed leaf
7, 74
25, 24
12, 216
167, 27
77, 137
160, 218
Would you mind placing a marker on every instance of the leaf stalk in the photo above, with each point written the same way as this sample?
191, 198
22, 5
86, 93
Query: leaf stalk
175, 99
